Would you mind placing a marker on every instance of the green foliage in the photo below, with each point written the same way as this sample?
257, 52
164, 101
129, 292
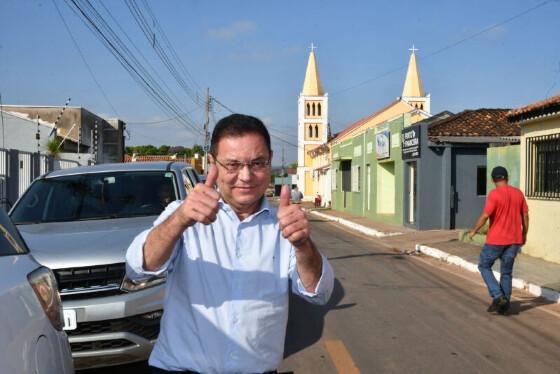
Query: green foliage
164, 150
53, 146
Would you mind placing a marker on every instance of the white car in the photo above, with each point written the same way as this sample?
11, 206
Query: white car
31, 339
79, 223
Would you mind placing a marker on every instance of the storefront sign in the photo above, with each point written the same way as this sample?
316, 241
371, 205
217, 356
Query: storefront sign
382, 143
411, 142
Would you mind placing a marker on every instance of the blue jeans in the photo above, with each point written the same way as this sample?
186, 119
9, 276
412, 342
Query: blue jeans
489, 254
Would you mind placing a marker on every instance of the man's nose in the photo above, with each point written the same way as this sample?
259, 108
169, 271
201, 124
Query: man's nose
245, 172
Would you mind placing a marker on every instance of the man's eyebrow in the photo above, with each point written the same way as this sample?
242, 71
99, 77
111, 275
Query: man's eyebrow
260, 158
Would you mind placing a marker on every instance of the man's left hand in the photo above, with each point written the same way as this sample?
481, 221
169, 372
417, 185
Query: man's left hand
292, 220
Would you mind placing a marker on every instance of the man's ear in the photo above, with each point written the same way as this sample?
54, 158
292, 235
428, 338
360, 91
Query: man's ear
211, 158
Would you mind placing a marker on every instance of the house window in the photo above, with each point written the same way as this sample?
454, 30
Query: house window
543, 167
481, 181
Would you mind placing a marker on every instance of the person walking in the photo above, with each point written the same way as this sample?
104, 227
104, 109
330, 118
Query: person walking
509, 222
296, 195
229, 257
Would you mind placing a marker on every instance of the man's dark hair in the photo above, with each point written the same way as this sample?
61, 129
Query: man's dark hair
237, 125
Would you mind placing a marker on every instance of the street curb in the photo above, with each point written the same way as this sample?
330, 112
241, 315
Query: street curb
533, 289
353, 225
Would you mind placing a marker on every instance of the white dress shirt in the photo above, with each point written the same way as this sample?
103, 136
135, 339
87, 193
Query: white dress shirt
226, 304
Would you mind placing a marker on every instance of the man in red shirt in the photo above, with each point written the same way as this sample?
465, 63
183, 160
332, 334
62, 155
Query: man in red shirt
509, 221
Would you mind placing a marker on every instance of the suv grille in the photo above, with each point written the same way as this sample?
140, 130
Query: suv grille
101, 344
83, 281
145, 325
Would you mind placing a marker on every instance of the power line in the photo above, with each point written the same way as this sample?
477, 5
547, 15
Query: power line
103, 31
163, 120
84, 59
449, 46
150, 35
223, 106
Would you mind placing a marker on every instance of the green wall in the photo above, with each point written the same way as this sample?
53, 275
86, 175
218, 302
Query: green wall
361, 150
508, 157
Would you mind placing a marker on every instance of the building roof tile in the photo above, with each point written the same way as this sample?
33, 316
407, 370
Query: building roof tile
537, 109
478, 122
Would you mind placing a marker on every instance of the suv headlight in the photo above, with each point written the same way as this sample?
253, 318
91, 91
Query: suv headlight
130, 285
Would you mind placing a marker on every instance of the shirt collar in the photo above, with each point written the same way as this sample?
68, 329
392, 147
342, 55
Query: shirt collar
264, 208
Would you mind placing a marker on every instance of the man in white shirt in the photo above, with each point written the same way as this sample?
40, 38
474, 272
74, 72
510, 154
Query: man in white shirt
229, 258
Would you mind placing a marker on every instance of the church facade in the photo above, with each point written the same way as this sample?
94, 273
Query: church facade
313, 124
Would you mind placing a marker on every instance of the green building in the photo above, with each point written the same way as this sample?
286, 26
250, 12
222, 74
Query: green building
368, 172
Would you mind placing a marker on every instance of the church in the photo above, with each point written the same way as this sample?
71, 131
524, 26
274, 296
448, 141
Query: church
317, 171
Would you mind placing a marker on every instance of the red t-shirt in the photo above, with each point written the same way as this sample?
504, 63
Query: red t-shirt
505, 205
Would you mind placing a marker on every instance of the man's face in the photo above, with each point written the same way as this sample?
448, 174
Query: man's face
242, 189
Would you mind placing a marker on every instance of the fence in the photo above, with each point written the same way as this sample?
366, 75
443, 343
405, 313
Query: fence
18, 169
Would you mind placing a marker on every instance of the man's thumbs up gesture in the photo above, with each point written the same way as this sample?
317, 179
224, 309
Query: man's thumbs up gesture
201, 204
292, 220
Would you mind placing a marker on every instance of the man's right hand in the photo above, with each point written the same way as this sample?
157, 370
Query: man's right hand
201, 204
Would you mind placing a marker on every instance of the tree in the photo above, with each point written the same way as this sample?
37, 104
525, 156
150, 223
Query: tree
53, 146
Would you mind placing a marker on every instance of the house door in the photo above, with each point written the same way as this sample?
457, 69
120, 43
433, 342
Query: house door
412, 182
467, 201
345, 168
368, 186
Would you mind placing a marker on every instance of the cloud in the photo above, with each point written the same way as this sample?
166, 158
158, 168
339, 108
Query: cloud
232, 31
497, 32
265, 55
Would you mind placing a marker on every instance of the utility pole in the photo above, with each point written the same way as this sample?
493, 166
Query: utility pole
207, 108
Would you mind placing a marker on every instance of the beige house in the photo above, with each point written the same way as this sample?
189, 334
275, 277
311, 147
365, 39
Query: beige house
540, 174
321, 166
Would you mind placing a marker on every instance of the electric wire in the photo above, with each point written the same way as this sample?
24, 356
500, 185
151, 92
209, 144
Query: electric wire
103, 31
447, 47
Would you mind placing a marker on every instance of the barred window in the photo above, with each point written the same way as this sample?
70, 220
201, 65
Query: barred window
543, 167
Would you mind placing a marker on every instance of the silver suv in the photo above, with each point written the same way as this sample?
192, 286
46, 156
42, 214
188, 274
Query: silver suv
79, 222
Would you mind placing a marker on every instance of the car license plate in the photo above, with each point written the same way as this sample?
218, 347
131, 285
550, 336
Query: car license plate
69, 316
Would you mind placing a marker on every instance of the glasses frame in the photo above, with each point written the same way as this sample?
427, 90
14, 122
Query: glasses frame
241, 165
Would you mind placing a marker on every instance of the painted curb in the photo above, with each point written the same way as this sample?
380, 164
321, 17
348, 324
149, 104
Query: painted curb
354, 226
518, 283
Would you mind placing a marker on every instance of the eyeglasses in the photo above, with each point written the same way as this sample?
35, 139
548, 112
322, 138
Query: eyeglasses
235, 166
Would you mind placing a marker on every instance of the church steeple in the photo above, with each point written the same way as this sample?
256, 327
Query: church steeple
413, 84
413, 90
312, 83
313, 125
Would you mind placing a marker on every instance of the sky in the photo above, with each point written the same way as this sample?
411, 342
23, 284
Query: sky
252, 56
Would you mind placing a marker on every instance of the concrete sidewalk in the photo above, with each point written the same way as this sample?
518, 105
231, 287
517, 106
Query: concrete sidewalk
534, 275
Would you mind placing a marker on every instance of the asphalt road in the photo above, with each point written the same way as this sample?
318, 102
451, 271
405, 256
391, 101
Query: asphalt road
396, 313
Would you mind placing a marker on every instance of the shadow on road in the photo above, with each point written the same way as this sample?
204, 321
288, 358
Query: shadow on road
520, 306
306, 321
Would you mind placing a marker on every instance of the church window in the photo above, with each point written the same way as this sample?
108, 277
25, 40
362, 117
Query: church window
313, 108
319, 109
422, 106
308, 109
316, 131
310, 132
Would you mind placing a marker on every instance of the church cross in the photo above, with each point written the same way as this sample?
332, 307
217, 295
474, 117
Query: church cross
313, 47
413, 49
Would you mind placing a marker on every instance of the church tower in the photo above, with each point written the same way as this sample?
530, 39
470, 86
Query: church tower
413, 91
313, 122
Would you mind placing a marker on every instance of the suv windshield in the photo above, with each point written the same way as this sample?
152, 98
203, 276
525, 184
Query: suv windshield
96, 196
